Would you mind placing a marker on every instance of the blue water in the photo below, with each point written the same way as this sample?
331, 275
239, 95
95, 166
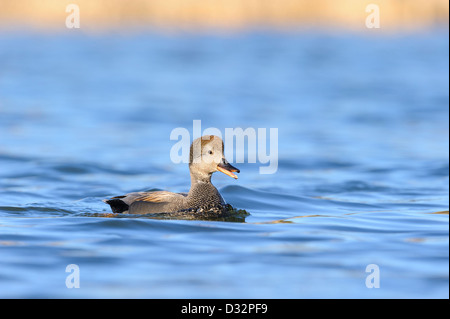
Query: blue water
363, 164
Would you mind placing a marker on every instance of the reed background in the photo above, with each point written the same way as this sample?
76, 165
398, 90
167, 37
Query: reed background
220, 14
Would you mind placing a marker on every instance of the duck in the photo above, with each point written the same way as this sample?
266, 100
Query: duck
206, 157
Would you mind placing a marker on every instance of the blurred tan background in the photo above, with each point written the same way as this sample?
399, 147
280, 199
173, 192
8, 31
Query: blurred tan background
223, 14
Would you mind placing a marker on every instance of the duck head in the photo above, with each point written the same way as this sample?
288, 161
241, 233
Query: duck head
206, 157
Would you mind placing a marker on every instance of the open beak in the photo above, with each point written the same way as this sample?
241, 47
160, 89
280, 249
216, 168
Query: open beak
227, 168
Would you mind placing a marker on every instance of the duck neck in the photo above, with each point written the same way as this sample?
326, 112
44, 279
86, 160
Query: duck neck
203, 192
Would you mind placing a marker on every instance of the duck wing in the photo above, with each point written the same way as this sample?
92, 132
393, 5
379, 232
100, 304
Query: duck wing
144, 202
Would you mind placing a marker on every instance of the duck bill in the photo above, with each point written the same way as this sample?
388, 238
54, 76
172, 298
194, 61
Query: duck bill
227, 169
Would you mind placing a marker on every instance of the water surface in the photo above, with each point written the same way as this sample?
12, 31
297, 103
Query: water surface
362, 179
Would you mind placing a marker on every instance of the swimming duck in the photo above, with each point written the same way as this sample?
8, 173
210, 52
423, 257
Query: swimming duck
205, 157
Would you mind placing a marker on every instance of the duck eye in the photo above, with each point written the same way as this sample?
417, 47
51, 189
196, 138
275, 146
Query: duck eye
210, 152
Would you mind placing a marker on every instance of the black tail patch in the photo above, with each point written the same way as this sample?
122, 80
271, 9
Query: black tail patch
117, 205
